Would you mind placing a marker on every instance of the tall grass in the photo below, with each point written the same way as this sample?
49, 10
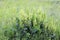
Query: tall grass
28, 24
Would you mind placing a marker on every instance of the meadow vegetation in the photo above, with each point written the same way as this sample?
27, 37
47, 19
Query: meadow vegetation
26, 23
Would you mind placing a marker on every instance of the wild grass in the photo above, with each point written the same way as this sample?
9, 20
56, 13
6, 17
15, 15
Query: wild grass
27, 23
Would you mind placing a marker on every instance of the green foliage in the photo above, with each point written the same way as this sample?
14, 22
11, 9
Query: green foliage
30, 26
26, 23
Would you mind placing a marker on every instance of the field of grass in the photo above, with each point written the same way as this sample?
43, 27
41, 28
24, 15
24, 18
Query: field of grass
29, 20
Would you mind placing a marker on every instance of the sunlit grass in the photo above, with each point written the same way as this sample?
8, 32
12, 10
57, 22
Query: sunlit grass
25, 12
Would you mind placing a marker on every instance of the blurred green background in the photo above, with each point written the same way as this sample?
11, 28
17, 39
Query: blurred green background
10, 9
